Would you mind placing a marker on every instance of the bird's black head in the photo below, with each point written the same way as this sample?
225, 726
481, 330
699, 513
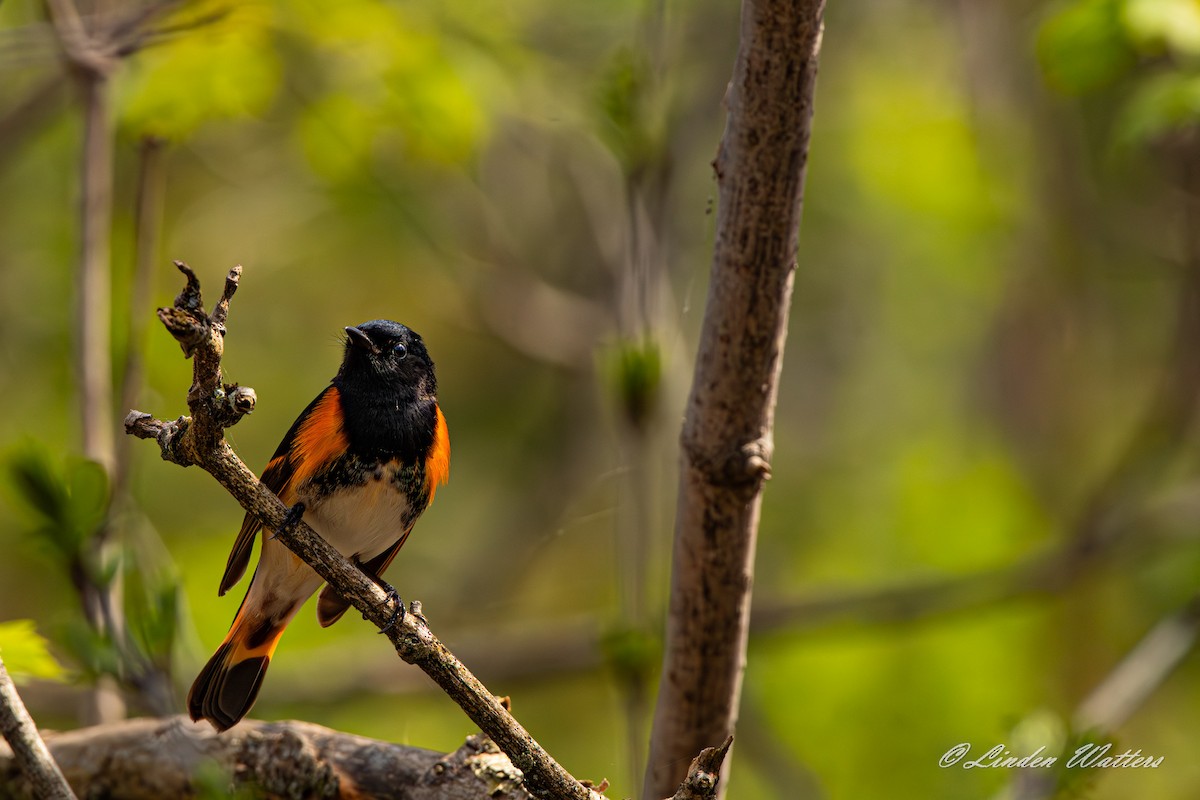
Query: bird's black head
386, 354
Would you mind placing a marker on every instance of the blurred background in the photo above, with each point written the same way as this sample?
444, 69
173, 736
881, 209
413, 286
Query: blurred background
984, 498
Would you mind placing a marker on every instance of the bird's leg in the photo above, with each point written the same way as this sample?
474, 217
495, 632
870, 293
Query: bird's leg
393, 597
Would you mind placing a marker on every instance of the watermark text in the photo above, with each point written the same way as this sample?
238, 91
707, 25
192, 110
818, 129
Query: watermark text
1089, 756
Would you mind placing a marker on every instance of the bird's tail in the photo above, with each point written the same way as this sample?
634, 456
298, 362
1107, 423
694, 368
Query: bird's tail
228, 685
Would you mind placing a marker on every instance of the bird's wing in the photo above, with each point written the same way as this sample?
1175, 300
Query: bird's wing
315, 438
331, 605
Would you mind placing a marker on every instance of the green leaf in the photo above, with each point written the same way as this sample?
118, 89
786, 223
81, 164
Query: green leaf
87, 486
162, 621
622, 101
38, 485
631, 653
152, 609
1084, 46
224, 69
105, 565
42, 491
394, 89
1170, 24
1160, 105
26, 653
68, 504
95, 653
636, 369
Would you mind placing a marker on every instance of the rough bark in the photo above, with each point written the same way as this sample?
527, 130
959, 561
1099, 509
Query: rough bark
199, 440
703, 779
727, 433
152, 759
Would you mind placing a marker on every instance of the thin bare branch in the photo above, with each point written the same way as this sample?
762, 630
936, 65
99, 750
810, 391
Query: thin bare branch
28, 750
1115, 699
1047, 573
126, 33
147, 226
1141, 672
92, 64
89, 55
94, 281
94, 46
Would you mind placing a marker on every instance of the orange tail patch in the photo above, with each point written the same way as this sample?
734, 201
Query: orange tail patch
228, 685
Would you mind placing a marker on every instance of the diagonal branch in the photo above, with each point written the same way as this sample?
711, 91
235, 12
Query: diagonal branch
199, 440
1147, 666
1125, 689
29, 750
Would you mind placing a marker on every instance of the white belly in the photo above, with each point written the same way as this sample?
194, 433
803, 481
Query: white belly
361, 522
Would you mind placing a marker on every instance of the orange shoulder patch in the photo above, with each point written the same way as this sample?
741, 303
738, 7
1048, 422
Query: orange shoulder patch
437, 464
320, 438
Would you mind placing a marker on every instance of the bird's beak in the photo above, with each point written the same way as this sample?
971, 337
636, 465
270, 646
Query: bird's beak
361, 340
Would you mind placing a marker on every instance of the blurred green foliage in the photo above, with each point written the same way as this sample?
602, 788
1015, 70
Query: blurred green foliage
626, 108
634, 370
66, 506
984, 300
69, 514
228, 66
26, 653
1150, 46
631, 654
1086, 45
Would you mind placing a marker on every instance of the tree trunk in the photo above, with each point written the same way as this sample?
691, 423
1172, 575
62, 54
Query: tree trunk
727, 433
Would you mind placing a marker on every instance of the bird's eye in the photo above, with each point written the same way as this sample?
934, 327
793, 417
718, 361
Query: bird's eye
400, 350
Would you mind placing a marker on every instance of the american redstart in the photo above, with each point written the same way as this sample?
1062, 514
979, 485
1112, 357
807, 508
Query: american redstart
361, 463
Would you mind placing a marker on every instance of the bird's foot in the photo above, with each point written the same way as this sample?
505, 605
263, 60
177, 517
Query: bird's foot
292, 518
397, 606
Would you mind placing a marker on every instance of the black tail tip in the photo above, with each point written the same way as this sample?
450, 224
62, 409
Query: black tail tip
224, 692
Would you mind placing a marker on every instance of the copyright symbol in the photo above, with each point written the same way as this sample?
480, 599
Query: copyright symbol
954, 755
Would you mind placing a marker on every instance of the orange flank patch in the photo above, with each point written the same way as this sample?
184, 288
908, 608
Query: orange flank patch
437, 465
320, 439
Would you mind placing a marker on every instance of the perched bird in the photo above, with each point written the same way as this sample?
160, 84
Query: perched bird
364, 460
